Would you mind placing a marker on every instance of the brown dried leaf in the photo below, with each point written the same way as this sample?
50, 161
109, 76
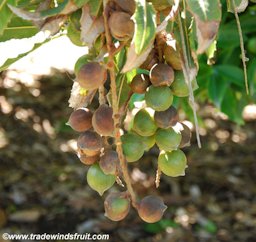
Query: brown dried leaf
133, 59
91, 27
206, 33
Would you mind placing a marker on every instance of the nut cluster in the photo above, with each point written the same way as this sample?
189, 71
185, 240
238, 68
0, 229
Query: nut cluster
156, 124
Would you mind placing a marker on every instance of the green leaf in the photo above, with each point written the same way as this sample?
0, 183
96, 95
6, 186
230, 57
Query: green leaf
17, 29
228, 38
136, 71
130, 75
217, 87
135, 98
95, 7
231, 107
252, 76
5, 14
247, 23
120, 59
12, 60
228, 33
80, 3
207, 14
54, 11
206, 10
124, 89
29, 4
240, 5
145, 25
204, 75
231, 73
210, 52
223, 94
142, 71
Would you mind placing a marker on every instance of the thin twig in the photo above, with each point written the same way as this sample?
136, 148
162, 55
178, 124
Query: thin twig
116, 116
102, 99
185, 69
244, 58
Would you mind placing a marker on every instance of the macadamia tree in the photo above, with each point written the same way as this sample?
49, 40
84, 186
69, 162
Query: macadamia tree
141, 68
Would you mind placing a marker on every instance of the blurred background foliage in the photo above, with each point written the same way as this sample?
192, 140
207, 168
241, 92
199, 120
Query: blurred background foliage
223, 80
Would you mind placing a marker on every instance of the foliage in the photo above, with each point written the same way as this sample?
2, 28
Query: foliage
223, 82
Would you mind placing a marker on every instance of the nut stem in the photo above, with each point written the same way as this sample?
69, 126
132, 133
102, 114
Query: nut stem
111, 67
